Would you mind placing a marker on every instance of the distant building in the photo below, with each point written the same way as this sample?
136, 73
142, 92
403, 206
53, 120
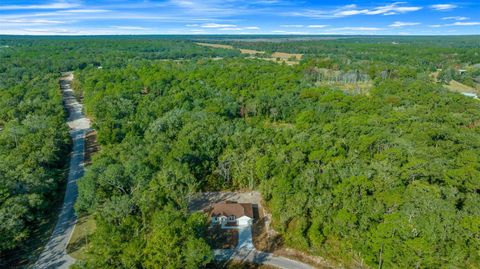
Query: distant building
470, 94
232, 214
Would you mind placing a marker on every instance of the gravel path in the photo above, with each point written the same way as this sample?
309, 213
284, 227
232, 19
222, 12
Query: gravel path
54, 254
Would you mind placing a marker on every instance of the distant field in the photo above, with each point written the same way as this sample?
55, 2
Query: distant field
279, 57
215, 45
460, 87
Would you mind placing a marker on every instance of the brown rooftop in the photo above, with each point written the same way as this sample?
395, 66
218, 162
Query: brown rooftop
229, 208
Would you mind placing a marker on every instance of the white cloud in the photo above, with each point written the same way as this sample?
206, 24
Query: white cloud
443, 7
464, 23
223, 27
54, 5
393, 9
360, 28
129, 27
317, 26
292, 25
28, 22
217, 25
239, 28
456, 18
402, 24
351, 10
231, 29
458, 23
84, 11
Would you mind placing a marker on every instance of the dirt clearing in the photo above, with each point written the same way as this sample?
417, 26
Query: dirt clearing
459, 87
202, 201
278, 57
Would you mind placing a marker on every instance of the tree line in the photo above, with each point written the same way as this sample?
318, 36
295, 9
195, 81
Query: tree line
387, 177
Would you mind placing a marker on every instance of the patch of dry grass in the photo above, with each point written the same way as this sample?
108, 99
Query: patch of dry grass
287, 56
459, 87
278, 57
251, 52
79, 241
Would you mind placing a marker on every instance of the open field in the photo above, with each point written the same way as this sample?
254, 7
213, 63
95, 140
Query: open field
460, 87
278, 57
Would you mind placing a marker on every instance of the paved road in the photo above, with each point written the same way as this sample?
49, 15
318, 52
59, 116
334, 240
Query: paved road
245, 251
55, 255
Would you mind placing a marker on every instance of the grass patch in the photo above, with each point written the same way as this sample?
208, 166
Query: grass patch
78, 243
459, 87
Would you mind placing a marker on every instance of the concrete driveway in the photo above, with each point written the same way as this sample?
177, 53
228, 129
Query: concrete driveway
245, 251
54, 255
245, 240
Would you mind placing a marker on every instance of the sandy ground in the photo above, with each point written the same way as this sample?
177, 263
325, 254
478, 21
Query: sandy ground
202, 201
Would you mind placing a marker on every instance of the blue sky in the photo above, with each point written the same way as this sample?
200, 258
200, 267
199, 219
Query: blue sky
88, 17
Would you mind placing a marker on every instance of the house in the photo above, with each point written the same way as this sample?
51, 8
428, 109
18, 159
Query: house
232, 214
469, 94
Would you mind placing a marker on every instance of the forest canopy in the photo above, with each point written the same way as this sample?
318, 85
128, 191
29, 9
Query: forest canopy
388, 176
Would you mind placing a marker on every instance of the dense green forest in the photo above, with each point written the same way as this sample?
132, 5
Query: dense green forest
34, 145
34, 141
390, 176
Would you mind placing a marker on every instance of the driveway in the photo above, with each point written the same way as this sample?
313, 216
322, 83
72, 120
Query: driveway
245, 251
54, 254
245, 240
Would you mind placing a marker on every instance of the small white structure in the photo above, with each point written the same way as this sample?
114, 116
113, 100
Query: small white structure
470, 94
232, 214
